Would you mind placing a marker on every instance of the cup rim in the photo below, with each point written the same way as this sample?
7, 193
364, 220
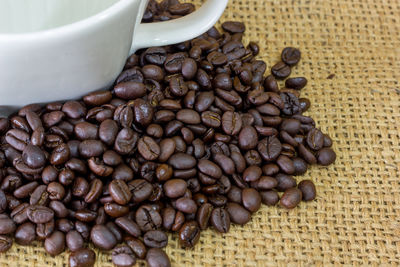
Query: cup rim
87, 22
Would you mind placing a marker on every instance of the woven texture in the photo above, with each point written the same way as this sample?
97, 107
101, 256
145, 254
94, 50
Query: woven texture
355, 219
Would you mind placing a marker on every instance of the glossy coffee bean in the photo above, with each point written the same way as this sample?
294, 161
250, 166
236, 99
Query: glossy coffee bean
307, 188
82, 258
291, 198
189, 234
157, 258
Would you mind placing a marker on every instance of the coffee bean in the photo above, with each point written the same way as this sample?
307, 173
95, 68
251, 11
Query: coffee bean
82, 258
291, 198
55, 243
220, 220
248, 138
120, 192
251, 199
122, 256
39, 214
269, 198
148, 219
315, 139
155, 239
102, 237
5, 243
129, 226
140, 189
280, 70
186, 205
296, 83
157, 258
7, 226
326, 156
188, 116
189, 234
203, 215
175, 188
237, 213
182, 161
74, 240
25, 234
252, 173
291, 55
307, 188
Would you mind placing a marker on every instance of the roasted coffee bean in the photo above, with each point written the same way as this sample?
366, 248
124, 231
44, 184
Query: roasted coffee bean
155, 239
82, 258
248, 138
269, 198
74, 240
251, 199
156, 257
136, 246
140, 189
296, 83
220, 220
189, 234
182, 161
44, 230
307, 188
120, 192
315, 139
148, 219
148, 148
291, 55
203, 215
307, 155
326, 156
285, 182
39, 196
237, 213
291, 198
25, 234
300, 166
175, 188
7, 225
186, 205
39, 214
122, 256
33, 156
5, 243
102, 237
55, 243
280, 70
97, 98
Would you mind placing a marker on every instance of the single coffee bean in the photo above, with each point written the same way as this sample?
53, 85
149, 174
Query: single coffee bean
326, 156
307, 188
251, 199
155, 239
237, 213
147, 218
136, 246
74, 240
120, 192
280, 70
39, 214
296, 83
175, 188
186, 205
291, 198
220, 220
128, 226
122, 256
7, 225
291, 55
182, 161
269, 198
5, 243
55, 243
248, 138
25, 234
189, 234
102, 237
203, 215
82, 258
157, 258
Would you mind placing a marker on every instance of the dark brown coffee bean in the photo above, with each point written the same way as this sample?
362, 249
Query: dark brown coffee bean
74, 109
285, 182
125, 141
175, 188
155, 239
102, 237
33, 156
209, 168
148, 219
7, 226
182, 161
115, 210
237, 213
173, 62
315, 139
233, 27
186, 205
265, 183
140, 189
306, 154
248, 138
252, 173
39, 214
39, 196
157, 258
326, 156
269, 148
220, 220
136, 246
307, 188
82, 258
291, 198
98, 98
269, 198
280, 70
285, 164
291, 55
178, 87
55, 243
300, 166
122, 256
203, 215
296, 83
189, 234
188, 116
231, 123
95, 190
5, 243
120, 192
44, 230
25, 234
128, 226
251, 199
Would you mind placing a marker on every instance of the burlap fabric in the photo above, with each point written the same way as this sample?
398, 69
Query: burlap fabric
355, 219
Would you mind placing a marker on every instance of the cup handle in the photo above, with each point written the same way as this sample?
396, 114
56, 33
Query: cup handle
178, 30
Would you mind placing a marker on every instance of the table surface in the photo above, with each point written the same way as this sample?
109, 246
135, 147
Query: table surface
355, 219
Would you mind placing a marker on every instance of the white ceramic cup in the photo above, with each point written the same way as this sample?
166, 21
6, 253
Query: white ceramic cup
54, 50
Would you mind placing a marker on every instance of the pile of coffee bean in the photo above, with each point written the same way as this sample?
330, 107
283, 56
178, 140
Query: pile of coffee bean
191, 136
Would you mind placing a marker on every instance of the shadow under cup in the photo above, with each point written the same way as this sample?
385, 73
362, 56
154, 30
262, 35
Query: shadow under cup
24, 16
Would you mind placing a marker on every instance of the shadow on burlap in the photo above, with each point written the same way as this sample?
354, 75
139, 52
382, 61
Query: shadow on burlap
355, 219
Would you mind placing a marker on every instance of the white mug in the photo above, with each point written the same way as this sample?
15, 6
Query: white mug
54, 50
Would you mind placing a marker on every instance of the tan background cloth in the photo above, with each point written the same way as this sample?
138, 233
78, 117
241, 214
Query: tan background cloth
355, 219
